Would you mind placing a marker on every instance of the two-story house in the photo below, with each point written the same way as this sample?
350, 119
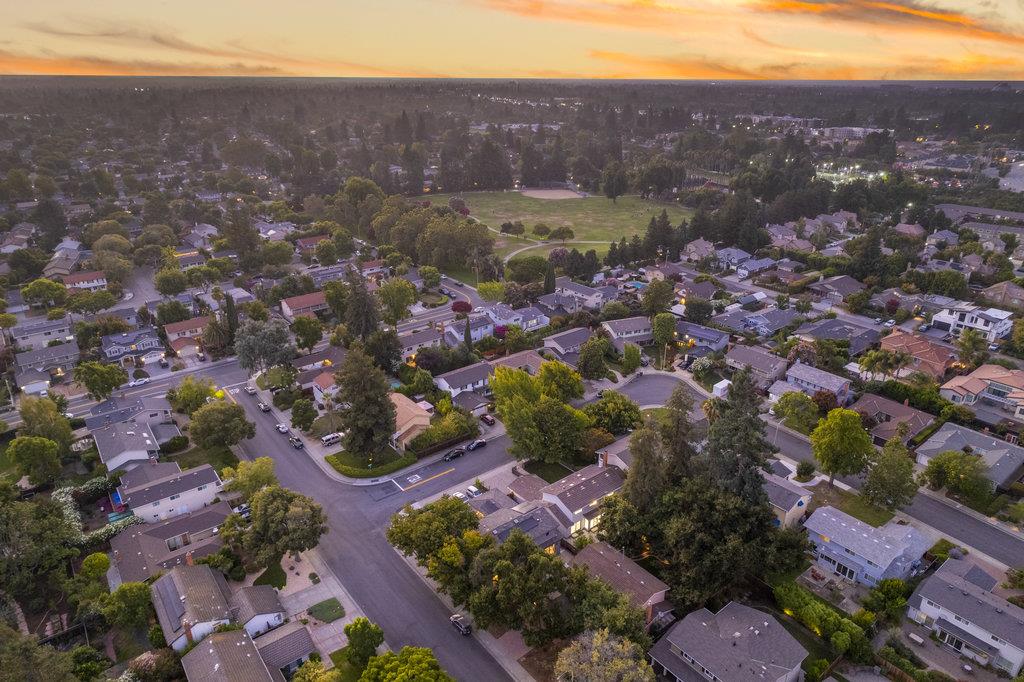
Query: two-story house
86, 281
889, 415
1005, 293
737, 643
764, 366
926, 355
413, 342
992, 323
480, 326
185, 337
698, 249
730, 258
861, 553
128, 347
836, 289
810, 380
587, 297
958, 605
527, 319
566, 345
579, 495
992, 385
159, 491
39, 334
698, 336
1004, 461
469, 378
303, 305
48, 361
623, 574
789, 501
635, 330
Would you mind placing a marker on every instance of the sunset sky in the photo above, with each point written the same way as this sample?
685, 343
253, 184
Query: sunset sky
702, 39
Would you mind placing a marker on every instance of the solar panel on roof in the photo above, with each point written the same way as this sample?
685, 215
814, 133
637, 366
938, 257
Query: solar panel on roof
173, 604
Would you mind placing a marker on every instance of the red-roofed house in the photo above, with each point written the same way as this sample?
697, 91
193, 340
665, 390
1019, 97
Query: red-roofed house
303, 305
324, 388
190, 329
308, 244
88, 281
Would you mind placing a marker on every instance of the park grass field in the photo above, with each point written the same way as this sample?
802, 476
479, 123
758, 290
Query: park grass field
594, 218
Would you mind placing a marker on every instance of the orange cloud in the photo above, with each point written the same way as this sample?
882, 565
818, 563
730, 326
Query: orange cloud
634, 14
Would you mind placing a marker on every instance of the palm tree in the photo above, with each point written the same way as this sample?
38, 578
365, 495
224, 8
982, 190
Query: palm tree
712, 409
971, 347
898, 361
873, 362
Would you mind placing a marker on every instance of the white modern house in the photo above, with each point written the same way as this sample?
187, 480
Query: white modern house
992, 323
159, 491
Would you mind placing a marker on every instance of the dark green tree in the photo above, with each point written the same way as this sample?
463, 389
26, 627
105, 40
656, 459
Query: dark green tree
737, 449
369, 423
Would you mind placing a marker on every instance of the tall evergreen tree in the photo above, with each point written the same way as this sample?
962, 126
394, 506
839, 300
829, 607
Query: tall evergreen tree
737, 448
467, 337
369, 423
677, 434
361, 316
230, 317
647, 479
549, 279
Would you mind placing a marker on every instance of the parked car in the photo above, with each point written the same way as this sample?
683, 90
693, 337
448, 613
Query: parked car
644, 360
889, 324
993, 347
453, 454
461, 624
296, 442
282, 428
488, 419
473, 491
477, 444
201, 356
263, 407
164, 363
138, 382
243, 510
251, 390
924, 327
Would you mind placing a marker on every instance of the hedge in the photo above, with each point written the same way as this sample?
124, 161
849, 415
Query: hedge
453, 427
824, 621
358, 472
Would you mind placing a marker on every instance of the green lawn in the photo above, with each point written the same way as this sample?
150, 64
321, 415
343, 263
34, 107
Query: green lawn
274, 575
357, 466
592, 218
348, 672
851, 503
550, 472
327, 611
217, 457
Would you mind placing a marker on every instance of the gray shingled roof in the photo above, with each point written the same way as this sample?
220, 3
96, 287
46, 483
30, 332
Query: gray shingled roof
118, 438
285, 645
465, 376
42, 356
586, 486
620, 572
1004, 460
737, 643
964, 588
817, 377
226, 657
758, 358
171, 484
881, 546
194, 593
628, 325
255, 600
781, 493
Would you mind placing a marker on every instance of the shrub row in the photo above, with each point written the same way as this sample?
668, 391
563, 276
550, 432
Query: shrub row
359, 472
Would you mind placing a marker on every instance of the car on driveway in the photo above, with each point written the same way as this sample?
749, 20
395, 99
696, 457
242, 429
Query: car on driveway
453, 454
478, 443
473, 491
282, 428
889, 324
460, 623
263, 407
138, 382
993, 347
488, 419
251, 390
296, 442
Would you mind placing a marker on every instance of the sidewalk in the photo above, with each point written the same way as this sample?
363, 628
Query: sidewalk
506, 653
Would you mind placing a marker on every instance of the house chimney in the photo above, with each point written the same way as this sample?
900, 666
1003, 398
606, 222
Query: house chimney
188, 559
187, 625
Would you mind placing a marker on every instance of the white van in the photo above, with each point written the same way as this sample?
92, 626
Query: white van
331, 439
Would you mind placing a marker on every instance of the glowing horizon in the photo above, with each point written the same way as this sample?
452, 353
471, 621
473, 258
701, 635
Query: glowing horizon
603, 39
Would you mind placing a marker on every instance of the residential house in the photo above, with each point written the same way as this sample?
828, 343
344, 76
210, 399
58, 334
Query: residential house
762, 322
992, 323
157, 492
285, 649
737, 644
307, 245
191, 259
257, 609
834, 329
59, 266
754, 266
480, 326
324, 387
730, 258
1005, 293
698, 249
332, 356
617, 454
469, 378
33, 381
186, 329
128, 347
927, 356
579, 495
622, 574
635, 330
559, 305
201, 236
943, 238
86, 281
663, 271
229, 656
1004, 461
126, 445
191, 601
811, 380
154, 411
33, 335
527, 319
15, 302
958, 213
991, 385
861, 553
566, 345
413, 342
142, 551
789, 501
888, 415
959, 605
273, 231
410, 421
237, 294
304, 305
35, 366
698, 336
836, 289
765, 367
326, 273
541, 521
910, 230
586, 297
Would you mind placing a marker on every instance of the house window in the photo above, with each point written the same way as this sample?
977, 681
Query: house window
157, 503
961, 620
201, 488
174, 497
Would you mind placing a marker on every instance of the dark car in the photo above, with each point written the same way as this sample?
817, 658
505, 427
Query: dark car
296, 442
461, 624
488, 419
478, 443
453, 454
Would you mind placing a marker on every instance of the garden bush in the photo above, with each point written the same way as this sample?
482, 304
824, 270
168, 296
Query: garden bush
356, 472
175, 444
456, 425
824, 621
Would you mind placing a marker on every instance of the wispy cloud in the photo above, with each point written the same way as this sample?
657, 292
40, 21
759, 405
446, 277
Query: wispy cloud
631, 14
18, 63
